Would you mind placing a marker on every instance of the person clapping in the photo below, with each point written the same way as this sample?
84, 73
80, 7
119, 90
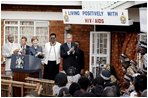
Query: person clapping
35, 49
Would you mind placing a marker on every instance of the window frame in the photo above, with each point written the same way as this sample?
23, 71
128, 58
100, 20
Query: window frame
18, 25
139, 62
95, 55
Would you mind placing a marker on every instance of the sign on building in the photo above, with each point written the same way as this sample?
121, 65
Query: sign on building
96, 17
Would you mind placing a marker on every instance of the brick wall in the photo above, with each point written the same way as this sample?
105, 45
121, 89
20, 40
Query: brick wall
81, 33
57, 27
42, 8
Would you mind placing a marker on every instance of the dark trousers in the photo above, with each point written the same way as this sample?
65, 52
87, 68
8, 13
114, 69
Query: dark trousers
51, 70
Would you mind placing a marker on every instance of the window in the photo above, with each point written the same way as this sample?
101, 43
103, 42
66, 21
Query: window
142, 37
99, 50
27, 28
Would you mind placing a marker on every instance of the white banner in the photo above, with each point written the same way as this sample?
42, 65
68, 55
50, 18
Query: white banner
95, 17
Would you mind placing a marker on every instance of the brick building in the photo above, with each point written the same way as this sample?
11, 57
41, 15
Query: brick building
43, 18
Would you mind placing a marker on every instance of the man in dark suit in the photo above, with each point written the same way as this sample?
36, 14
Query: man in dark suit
68, 53
24, 47
79, 58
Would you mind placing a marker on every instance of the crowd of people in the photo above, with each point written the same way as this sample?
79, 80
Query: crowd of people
73, 81
105, 84
84, 85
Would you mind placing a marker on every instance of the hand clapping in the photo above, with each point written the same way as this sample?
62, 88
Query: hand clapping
71, 49
15, 51
38, 53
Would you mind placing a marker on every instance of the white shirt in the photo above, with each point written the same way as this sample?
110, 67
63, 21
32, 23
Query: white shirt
72, 79
52, 54
56, 89
7, 53
23, 46
49, 56
22, 49
133, 94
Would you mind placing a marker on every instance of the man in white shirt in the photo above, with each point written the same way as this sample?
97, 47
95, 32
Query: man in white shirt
9, 49
52, 58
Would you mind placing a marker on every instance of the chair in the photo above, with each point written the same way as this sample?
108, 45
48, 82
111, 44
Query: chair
6, 88
25, 87
46, 85
3, 76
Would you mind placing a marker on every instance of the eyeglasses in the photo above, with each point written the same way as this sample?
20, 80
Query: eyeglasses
52, 38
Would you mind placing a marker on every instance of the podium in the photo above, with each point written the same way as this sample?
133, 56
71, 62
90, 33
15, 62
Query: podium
26, 63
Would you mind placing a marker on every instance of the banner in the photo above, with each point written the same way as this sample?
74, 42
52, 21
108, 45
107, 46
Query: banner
95, 17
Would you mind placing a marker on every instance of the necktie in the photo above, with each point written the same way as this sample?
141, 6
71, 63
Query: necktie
23, 51
69, 45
